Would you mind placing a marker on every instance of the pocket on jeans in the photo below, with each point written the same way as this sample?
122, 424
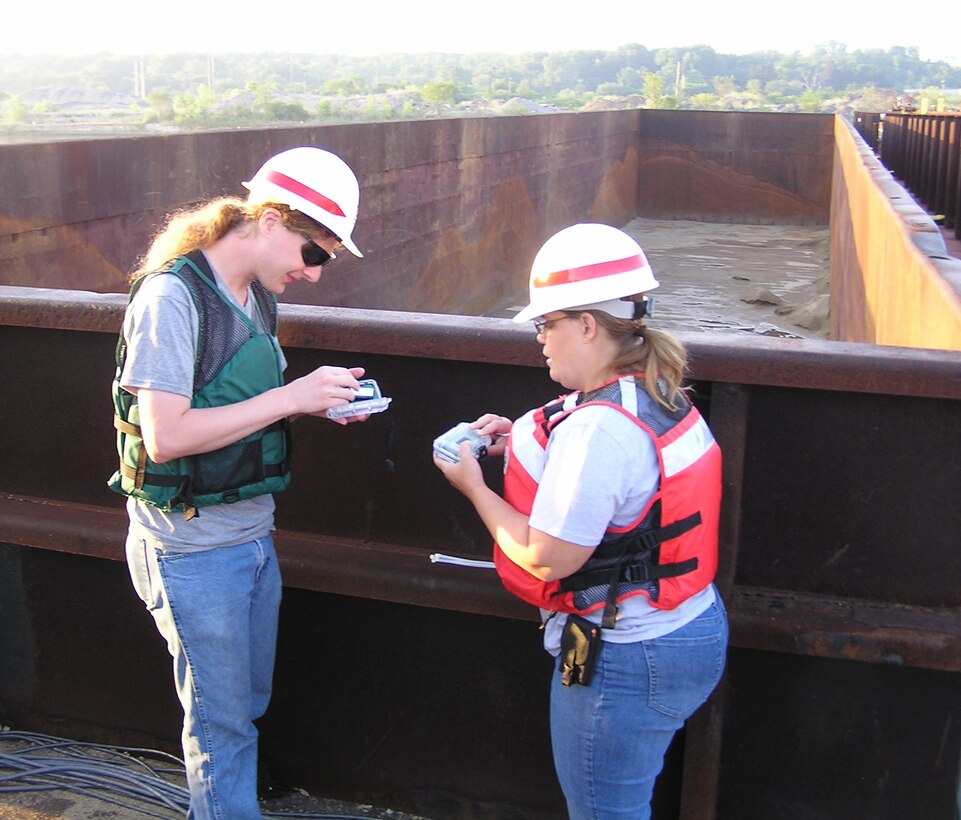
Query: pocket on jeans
683, 672
141, 573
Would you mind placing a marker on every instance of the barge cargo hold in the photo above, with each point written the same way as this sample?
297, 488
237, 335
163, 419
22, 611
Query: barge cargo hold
421, 686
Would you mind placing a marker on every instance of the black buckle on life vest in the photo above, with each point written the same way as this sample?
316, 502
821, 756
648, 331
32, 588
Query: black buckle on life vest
630, 565
184, 497
632, 561
642, 573
550, 411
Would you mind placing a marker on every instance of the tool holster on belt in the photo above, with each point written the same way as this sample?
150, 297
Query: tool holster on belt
580, 646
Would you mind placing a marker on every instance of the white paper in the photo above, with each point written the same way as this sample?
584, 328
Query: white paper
440, 558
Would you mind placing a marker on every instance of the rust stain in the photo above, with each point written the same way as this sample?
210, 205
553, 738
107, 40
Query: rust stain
54, 257
616, 198
470, 277
687, 184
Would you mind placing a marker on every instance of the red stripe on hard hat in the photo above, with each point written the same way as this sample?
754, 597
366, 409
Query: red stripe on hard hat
564, 277
295, 187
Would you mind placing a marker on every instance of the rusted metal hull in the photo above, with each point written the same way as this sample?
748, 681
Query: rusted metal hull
893, 279
924, 152
423, 685
751, 168
452, 211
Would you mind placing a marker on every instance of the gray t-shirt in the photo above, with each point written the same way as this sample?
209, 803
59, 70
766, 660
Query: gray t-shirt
161, 330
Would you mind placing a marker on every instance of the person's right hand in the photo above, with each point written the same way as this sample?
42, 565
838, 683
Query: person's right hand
324, 388
497, 427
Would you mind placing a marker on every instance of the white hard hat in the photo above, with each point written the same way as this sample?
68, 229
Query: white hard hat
316, 183
587, 266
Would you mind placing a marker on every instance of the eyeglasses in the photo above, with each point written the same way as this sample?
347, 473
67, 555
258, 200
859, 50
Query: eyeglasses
314, 255
540, 325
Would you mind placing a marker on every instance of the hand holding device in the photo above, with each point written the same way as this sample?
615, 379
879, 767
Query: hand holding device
447, 446
367, 400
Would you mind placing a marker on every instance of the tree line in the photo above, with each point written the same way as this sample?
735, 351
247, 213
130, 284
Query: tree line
185, 88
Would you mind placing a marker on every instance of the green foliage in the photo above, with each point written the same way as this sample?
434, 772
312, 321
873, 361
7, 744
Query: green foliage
378, 108
161, 105
203, 90
345, 86
630, 79
194, 108
286, 111
653, 85
569, 99
809, 102
15, 111
704, 101
724, 85
439, 93
515, 109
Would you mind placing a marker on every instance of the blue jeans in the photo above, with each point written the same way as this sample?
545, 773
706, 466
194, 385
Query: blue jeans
609, 738
218, 611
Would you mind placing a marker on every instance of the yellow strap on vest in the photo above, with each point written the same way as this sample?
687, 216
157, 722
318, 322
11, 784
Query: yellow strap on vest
126, 427
141, 468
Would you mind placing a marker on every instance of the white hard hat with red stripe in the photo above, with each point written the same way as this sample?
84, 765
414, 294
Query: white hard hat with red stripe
587, 266
316, 183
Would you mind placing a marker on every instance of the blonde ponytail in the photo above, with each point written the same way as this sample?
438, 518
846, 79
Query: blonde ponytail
659, 355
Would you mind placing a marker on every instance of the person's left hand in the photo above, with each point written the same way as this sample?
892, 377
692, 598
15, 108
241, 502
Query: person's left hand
464, 474
349, 420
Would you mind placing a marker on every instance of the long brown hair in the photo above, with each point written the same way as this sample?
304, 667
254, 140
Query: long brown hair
659, 355
201, 226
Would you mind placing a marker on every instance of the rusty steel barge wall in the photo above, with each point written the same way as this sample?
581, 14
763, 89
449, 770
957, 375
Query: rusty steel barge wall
452, 211
924, 152
423, 686
750, 168
892, 279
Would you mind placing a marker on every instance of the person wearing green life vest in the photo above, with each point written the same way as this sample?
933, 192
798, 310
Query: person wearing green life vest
202, 415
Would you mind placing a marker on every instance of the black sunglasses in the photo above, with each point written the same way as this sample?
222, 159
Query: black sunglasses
314, 255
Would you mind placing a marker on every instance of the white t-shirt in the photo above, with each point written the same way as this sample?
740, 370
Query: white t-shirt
602, 469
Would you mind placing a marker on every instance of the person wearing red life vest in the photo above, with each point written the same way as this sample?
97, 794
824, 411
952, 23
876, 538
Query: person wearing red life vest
609, 522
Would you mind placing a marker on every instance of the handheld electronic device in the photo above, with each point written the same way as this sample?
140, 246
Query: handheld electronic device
447, 446
367, 400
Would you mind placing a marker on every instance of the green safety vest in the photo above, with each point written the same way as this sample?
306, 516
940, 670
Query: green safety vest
233, 362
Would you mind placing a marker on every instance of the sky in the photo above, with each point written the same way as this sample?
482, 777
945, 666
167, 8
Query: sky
419, 26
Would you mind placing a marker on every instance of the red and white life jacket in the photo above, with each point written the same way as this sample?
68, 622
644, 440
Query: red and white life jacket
668, 562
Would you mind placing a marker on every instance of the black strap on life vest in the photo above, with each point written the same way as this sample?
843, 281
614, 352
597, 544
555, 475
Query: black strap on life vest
141, 476
550, 411
631, 552
630, 565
